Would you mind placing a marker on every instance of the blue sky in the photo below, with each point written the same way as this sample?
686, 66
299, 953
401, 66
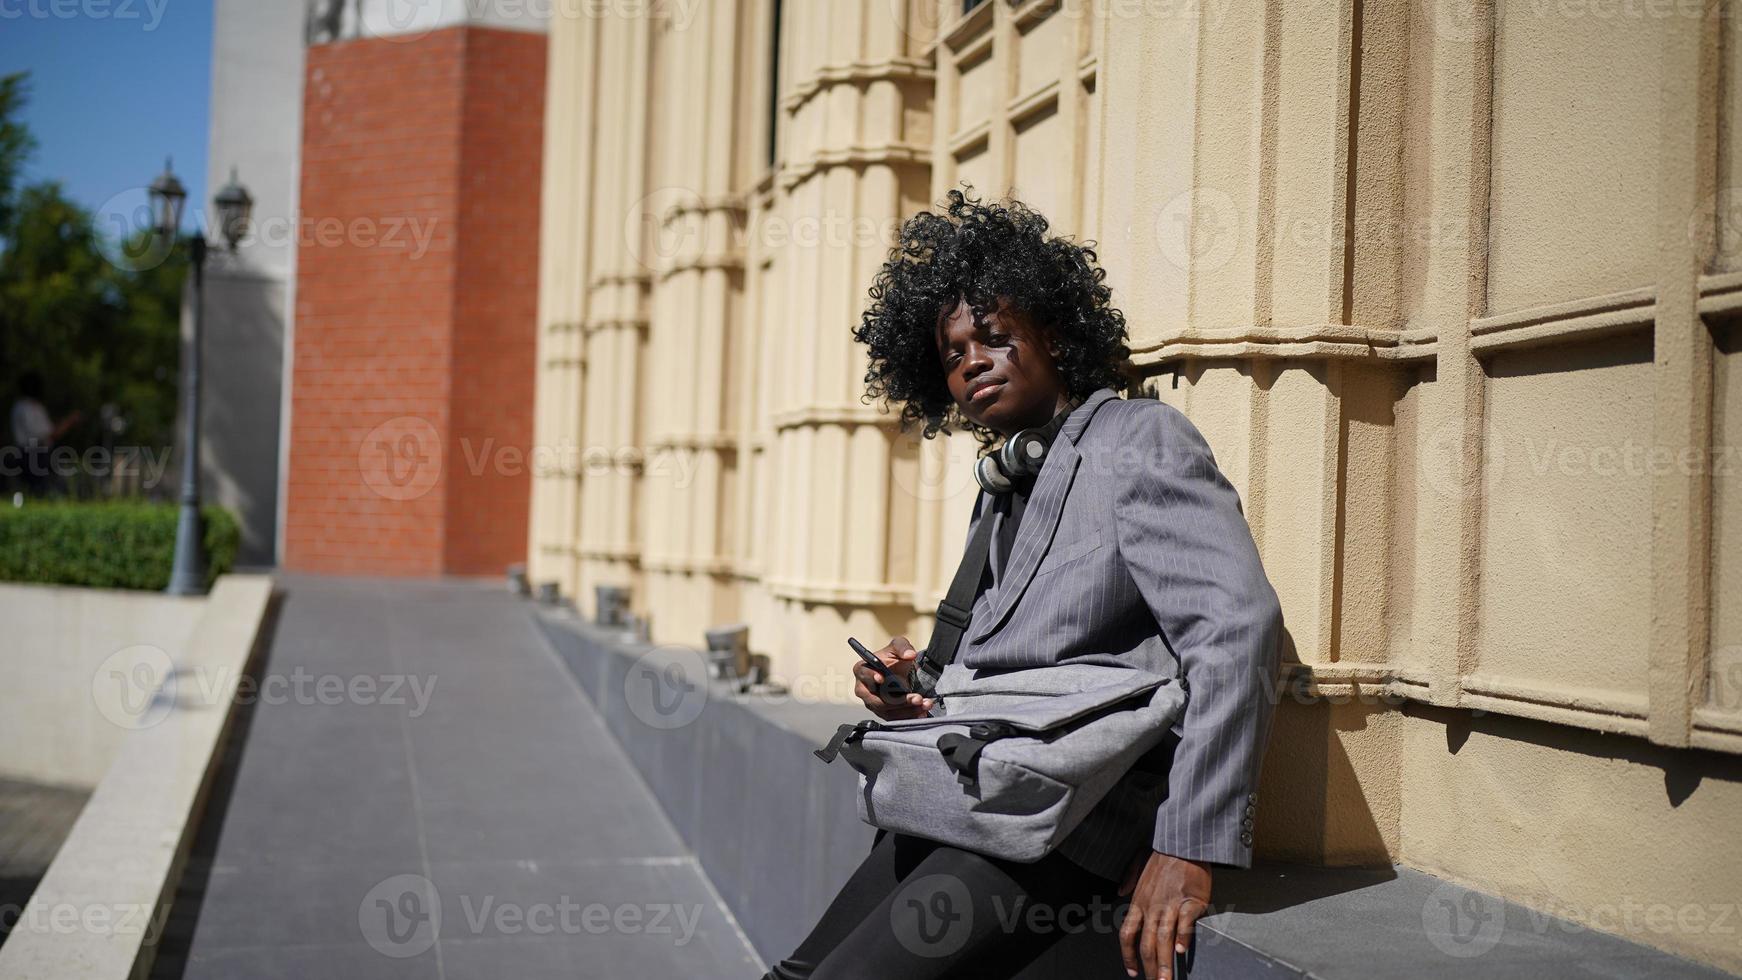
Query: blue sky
115, 86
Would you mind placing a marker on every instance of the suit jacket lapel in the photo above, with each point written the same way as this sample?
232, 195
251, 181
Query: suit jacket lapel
1045, 503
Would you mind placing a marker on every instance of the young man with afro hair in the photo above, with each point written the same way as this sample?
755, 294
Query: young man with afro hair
980, 320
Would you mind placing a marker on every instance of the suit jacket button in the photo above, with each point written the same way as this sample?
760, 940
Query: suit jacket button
1246, 837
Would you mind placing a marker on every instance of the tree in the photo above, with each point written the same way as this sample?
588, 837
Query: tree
98, 334
15, 142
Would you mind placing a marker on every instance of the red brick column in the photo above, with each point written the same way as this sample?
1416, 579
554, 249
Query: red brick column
417, 266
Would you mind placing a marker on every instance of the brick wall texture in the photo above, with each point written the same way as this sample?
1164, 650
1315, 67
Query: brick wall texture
416, 304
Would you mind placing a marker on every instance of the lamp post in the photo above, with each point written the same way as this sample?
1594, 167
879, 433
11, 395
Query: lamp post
188, 575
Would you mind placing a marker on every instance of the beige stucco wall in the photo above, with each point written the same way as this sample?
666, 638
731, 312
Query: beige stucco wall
69, 663
1449, 287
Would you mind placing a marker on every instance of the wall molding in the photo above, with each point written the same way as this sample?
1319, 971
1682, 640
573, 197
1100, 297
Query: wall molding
1570, 322
888, 154
839, 593
1721, 294
814, 415
1321, 341
856, 73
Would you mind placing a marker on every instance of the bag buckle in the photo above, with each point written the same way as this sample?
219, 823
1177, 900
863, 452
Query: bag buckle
962, 752
842, 736
954, 615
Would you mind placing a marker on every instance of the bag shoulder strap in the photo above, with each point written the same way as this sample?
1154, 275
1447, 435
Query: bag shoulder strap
957, 608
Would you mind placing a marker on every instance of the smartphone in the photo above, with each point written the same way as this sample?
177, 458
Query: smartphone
891, 687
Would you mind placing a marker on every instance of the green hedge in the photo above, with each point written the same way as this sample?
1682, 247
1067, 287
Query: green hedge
110, 545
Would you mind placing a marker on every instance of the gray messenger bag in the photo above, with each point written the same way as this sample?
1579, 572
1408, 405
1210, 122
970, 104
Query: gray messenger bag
1019, 757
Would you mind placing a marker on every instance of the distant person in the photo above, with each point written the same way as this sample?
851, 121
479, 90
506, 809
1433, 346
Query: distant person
35, 433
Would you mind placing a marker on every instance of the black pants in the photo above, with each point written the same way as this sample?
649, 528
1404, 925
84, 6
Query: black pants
916, 908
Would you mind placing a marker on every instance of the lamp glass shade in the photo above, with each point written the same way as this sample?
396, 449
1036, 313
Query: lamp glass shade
234, 205
168, 197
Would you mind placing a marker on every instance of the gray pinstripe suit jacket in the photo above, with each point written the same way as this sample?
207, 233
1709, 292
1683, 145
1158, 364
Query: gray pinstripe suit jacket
1133, 549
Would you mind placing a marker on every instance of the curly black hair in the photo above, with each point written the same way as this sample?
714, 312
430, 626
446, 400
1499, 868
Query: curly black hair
983, 254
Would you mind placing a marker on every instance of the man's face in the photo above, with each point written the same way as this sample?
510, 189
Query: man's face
1001, 370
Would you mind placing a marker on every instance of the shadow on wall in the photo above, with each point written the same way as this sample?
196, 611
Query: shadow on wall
242, 384
1314, 808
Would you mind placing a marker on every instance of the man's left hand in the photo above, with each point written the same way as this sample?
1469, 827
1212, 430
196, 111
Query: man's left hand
1168, 894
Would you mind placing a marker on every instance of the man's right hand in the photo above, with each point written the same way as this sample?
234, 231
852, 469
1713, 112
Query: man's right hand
900, 656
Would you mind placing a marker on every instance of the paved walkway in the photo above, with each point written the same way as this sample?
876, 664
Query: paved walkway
418, 756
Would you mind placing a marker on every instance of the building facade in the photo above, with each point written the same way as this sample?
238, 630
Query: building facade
1451, 289
256, 116
411, 375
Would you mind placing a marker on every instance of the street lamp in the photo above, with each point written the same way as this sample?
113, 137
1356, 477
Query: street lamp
188, 575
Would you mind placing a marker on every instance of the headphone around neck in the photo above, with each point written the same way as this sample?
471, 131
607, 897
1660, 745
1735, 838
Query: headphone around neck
1021, 456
